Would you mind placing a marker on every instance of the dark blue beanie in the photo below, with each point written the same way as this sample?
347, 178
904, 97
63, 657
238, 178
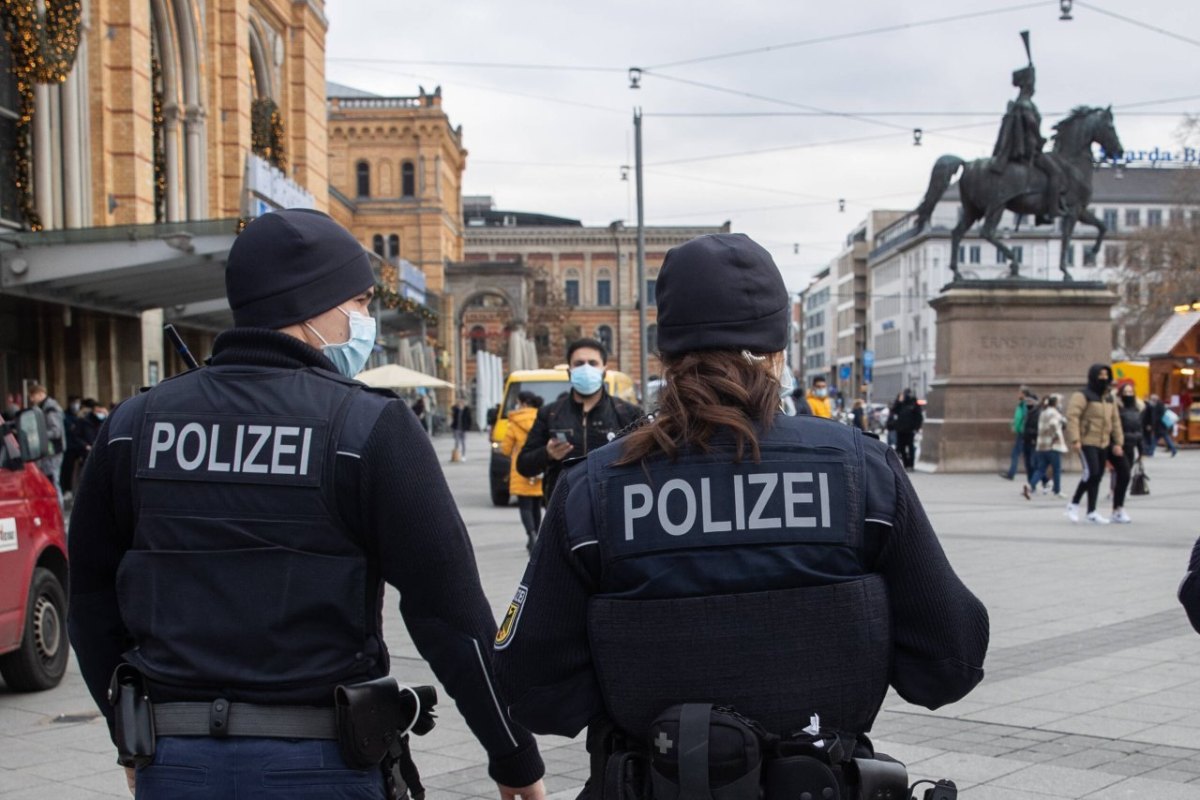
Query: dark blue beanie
721, 291
292, 265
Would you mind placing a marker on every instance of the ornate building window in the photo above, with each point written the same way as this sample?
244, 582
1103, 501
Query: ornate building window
362, 174
377, 246
571, 288
603, 288
478, 339
605, 334
652, 339
408, 179
393, 246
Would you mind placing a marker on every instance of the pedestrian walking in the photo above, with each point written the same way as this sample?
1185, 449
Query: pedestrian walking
1020, 453
1189, 589
56, 435
1051, 444
1094, 432
818, 398
725, 555
528, 491
232, 535
1154, 426
858, 414
460, 424
582, 420
906, 417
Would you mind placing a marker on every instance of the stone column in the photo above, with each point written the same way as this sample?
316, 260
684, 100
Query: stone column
193, 131
43, 171
171, 157
994, 336
74, 185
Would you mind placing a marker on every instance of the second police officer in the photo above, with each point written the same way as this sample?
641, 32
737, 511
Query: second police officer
727, 554
231, 540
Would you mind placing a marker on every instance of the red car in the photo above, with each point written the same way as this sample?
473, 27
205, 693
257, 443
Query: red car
33, 562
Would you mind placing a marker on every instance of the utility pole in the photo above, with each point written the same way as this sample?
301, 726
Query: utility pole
641, 249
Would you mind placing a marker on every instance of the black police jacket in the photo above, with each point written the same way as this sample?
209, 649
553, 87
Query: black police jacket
587, 432
234, 528
654, 563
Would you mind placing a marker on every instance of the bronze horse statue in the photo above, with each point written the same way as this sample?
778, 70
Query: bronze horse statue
1022, 188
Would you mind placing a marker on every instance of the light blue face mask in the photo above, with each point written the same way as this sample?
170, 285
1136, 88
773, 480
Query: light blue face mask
587, 379
787, 381
351, 355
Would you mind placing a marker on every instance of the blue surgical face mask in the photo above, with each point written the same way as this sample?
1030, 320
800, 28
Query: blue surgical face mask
820, 392
587, 379
351, 355
787, 381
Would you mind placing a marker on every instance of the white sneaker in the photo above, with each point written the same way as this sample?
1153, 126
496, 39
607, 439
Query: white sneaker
1120, 517
1045, 489
1073, 512
1096, 518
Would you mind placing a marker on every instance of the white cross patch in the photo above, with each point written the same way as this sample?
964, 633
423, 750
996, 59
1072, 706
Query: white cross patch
663, 743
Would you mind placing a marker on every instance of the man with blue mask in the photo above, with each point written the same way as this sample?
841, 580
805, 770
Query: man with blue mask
234, 530
581, 420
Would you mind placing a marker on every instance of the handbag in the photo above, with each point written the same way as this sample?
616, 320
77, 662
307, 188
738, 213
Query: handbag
1140, 483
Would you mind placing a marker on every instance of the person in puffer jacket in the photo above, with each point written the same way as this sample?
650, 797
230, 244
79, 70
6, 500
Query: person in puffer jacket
527, 490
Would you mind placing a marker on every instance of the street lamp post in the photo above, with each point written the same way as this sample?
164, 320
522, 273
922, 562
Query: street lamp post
641, 250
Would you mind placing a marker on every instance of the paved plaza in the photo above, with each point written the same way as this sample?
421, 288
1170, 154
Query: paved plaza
1093, 676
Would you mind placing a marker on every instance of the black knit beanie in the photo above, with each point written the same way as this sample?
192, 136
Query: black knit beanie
292, 265
721, 291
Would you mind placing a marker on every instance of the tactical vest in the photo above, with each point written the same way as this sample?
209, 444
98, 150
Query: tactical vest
746, 585
241, 574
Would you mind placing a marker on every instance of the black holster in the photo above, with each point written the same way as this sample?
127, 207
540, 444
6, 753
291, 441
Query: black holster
373, 721
133, 717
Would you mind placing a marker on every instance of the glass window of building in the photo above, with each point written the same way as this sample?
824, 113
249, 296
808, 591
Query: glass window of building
478, 339
603, 289
1133, 217
1112, 255
975, 254
363, 173
377, 246
408, 179
605, 334
1110, 219
651, 338
651, 293
393, 246
571, 291
1154, 218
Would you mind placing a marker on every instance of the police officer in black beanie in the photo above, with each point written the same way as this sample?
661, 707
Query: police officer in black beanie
234, 529
727, 554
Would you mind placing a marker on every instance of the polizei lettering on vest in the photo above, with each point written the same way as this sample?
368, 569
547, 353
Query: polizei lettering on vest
228, 448
776, 501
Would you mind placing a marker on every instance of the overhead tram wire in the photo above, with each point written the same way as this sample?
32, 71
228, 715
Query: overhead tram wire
479, 64
1138, 23
779, 101
851, 35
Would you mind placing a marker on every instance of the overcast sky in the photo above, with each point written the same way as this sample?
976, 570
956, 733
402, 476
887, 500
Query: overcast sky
552, 140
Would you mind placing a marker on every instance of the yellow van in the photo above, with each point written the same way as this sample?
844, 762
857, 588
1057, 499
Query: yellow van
549, 384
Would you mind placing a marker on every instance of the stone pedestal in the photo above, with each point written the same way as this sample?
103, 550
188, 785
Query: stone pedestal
993, 336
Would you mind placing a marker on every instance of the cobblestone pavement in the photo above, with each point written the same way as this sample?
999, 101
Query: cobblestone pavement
1092, 687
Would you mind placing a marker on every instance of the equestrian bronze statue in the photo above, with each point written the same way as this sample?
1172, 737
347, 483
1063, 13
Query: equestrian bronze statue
1022, 178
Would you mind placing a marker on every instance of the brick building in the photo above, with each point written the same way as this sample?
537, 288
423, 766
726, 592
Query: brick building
126, 170
581, 281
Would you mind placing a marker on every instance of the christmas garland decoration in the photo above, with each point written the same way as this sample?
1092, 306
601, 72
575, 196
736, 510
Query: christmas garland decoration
43, 49
394, 300
160, 151
266, 132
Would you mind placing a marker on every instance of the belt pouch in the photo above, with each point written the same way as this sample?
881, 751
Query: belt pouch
702, 753
133, 717
370, 718
790, 777
880, 778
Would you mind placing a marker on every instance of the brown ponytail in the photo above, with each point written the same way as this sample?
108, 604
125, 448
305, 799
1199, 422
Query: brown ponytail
704, 392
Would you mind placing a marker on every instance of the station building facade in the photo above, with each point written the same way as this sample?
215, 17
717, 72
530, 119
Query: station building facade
151, 132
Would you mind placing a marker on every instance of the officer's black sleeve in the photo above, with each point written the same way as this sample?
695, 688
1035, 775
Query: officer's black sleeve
940, 629
545, 663
1189, 590
533, 458
424, 551
101, 531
